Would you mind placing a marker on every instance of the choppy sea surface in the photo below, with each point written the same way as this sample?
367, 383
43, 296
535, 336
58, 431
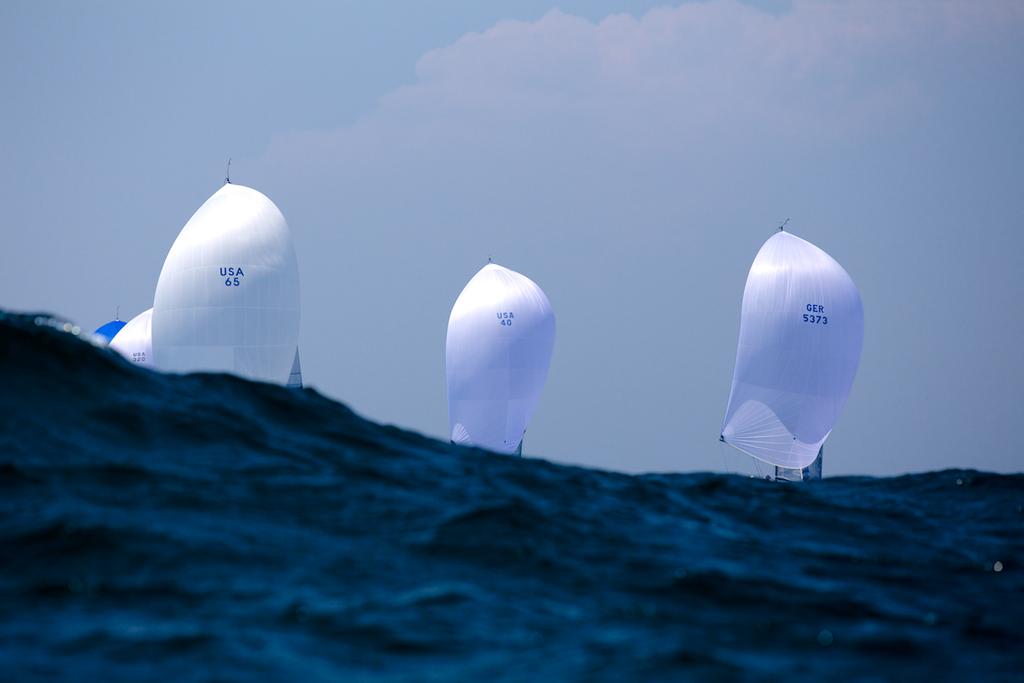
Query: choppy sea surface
202, 527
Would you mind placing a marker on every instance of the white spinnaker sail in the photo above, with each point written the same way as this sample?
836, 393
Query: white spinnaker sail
135, 340
801, 331
228, 296
501, 335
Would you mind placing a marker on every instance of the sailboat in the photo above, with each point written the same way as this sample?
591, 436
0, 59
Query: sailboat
135, 340
228, 295
501, 334
801, 332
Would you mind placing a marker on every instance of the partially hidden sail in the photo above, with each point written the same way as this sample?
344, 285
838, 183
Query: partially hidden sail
295, 376
107, 331
135, 340
501, 335
801, 331
228, 296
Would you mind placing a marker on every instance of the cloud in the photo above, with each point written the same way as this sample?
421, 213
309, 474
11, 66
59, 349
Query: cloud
821, 72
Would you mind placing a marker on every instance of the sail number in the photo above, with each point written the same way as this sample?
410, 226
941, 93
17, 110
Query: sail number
232, 276
506, 318
815, 314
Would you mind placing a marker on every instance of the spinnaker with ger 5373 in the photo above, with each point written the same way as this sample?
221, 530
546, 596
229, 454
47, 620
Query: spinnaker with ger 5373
801, 331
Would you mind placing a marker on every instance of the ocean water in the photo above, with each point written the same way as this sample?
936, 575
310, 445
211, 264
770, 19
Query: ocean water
200, 528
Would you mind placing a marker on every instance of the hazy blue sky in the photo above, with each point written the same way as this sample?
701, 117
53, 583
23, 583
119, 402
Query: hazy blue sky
628, 157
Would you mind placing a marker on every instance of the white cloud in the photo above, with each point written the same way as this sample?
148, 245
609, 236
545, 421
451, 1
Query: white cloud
822, 71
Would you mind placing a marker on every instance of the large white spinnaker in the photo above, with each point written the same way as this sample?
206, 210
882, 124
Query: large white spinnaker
228, 296
801, 331
135, 340
501, 335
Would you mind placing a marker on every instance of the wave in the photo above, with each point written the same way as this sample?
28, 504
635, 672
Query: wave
205, 527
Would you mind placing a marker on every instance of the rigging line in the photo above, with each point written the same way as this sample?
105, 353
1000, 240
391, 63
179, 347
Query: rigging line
757, 467
725, 457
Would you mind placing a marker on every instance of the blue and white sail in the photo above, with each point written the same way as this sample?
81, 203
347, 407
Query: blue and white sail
107, 331
501, 335
135, 340
228, 296
801, 332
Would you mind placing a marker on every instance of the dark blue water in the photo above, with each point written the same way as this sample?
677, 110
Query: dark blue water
207, 528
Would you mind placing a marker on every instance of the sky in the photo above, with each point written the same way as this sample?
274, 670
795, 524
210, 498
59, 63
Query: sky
630, 158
